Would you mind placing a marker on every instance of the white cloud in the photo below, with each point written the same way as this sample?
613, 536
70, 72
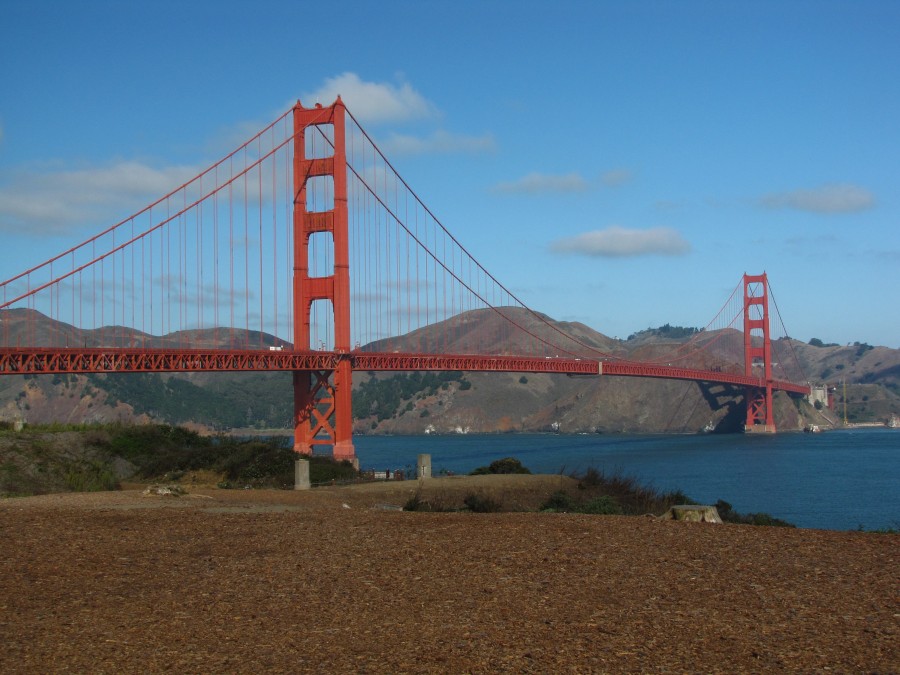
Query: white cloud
51, 202
537, 183
440, 142
837, 198
372, 102
619, 242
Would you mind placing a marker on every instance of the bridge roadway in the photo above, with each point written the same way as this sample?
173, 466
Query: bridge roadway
45, 360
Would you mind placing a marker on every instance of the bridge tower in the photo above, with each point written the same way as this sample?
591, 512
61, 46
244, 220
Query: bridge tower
758, 354
322, 405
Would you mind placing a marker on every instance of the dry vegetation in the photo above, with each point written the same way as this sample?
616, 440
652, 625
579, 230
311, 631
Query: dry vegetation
338, 580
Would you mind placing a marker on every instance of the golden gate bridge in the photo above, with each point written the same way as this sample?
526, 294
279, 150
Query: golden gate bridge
307, 231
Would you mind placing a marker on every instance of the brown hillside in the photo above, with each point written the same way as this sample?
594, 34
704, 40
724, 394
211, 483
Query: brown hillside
494, 402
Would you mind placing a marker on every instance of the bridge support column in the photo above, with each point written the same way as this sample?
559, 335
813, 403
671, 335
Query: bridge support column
758, 354
322, 399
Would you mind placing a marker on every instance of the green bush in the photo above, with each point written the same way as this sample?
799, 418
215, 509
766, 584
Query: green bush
562, 502
257, 463
729, 515
559, 501
505, 465
90, 476
602, 506
157, 449
324, 469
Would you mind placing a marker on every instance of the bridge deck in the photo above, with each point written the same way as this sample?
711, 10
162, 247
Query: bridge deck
36, 361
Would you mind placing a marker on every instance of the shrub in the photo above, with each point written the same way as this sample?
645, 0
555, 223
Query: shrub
729, 515
90, 476
324, 469
678, 497
437, 503
505, 465
416, 503
480, 503
590, 478
765, 519
602, 506
559, 501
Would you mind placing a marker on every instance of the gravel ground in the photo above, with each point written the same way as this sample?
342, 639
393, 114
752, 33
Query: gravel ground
337, 580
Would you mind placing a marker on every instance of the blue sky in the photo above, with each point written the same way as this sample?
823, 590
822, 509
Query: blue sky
615, 163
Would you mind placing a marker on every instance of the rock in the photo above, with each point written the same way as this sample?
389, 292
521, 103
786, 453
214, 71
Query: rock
163, 491
693, 513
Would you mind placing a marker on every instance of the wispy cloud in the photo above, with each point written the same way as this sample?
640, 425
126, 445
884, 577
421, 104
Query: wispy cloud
836, 198
539, 183
620, 242
373, 102
53, 201
616, 177
667, 205
439, 142
890, 256
376, 103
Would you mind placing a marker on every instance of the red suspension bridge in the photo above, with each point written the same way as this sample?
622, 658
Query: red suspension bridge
305, 251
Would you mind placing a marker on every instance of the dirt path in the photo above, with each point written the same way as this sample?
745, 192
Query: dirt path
334, 580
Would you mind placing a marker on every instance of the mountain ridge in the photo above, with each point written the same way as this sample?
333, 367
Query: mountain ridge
477, 402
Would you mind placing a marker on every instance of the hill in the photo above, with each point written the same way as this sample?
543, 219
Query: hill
412, 403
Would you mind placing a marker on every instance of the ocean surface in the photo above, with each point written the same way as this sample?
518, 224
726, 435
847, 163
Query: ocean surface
839, 480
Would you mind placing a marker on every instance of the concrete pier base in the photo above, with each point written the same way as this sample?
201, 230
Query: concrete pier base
301, 474
423, 466
759, 429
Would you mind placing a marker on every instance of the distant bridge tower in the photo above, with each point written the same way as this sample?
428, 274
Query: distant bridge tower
758, 354
322, 405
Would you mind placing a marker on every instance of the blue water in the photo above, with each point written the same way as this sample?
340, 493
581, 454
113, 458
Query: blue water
837, 480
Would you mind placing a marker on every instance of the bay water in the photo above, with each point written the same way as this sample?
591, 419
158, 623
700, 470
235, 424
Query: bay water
839, 480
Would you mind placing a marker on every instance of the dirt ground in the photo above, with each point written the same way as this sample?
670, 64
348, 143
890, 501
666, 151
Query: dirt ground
339, 580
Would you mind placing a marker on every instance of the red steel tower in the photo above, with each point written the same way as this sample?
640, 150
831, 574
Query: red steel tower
758, 354
322, 405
